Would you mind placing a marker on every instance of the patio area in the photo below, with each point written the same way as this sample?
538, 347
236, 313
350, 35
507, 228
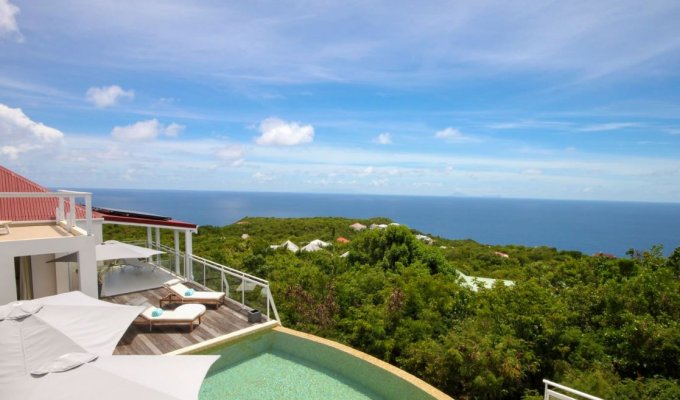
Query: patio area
166, 338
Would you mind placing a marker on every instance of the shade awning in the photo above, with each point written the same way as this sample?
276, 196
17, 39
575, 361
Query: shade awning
118, 377
33, 332
115, 250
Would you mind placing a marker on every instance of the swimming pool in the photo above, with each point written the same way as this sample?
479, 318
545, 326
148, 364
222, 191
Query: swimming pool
281, 363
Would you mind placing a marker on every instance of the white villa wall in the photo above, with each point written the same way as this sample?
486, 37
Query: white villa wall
84, 245
97, 229
43, 275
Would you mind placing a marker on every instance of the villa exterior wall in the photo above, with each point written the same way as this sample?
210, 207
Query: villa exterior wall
84, 245
44, 275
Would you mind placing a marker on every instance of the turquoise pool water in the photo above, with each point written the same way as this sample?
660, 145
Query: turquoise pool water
276, 365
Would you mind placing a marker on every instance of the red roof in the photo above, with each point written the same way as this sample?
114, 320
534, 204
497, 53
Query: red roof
29, 209
44, 209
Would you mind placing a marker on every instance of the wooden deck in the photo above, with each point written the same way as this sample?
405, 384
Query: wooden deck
165, 338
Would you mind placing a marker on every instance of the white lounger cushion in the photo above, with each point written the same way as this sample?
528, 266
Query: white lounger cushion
180, 289
185, 312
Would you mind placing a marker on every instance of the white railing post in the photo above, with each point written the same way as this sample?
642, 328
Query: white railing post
88, 214
549, 393
243, 290
71, 212
267, 293
176, 239
61, 215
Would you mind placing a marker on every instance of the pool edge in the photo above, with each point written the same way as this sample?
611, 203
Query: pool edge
417, 382
229, 337
276, 326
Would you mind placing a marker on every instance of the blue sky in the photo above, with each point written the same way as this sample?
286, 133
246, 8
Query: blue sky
528, 99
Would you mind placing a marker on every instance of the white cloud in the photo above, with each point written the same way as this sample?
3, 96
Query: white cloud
145, 130
383, 138
281, 133
233, 154
454, 135
611, 126
8, 22
262, 177
107, 96
366, 171
20, 134
173, 130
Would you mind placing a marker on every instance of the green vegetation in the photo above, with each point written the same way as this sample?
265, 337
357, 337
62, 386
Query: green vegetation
609, 327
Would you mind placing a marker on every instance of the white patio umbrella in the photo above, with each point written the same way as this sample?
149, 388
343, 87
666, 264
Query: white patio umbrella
37, 331
115, 378
115, 250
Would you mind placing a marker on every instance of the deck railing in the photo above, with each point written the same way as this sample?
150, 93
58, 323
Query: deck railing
552, 393
66, 207
248, 290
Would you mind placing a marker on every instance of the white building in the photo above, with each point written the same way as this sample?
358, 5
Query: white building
39, 226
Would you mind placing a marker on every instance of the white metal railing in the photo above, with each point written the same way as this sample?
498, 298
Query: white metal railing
65, 198
223, 272
551, 393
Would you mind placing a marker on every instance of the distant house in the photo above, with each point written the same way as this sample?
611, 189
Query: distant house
286, 245
378, 226
245, 236
499, 254
605, 255
315, 245
474, 283
425, 239
358, 227
342, 240
344, 255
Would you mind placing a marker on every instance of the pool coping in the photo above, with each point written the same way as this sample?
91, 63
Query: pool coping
415, 381
229, 337
276, 326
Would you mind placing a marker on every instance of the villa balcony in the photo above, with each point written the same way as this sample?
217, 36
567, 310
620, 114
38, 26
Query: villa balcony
245, 294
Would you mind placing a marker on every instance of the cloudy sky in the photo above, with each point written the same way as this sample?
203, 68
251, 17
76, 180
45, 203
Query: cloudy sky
529, 99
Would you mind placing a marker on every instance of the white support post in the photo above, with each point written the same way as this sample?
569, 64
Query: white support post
158, 245
8, 283
149, 240
61, 215
71, 212
176, 239
188, 252
88, 213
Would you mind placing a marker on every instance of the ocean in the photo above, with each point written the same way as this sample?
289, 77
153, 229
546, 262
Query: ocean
587, 226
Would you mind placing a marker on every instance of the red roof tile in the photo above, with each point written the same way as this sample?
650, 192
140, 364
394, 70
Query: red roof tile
29, 209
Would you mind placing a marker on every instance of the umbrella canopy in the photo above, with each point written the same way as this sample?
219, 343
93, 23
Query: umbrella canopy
36, 331
115, 250
115, 378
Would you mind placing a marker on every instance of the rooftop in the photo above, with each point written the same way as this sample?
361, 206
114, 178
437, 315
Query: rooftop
29, 209
37, 231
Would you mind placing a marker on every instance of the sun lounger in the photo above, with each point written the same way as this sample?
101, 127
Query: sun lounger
178, 294
186, 314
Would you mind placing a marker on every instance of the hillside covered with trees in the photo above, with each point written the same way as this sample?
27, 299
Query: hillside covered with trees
606, 326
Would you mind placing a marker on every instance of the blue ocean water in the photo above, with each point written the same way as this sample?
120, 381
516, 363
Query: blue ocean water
590, 227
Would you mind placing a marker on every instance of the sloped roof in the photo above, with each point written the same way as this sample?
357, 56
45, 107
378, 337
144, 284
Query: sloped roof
29, 209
